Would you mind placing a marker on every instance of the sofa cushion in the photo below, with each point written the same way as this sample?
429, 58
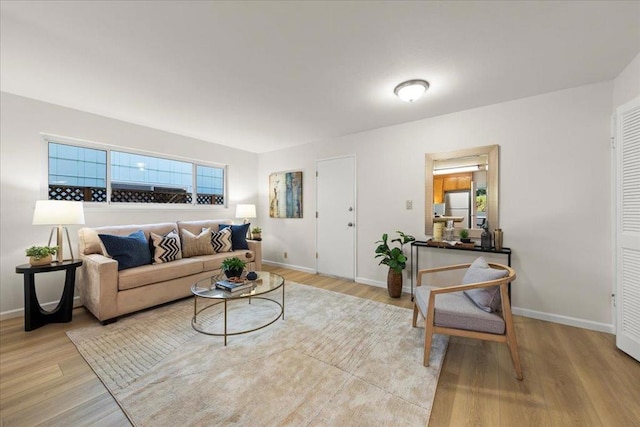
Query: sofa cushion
193, 245
166, 248
214, 262
238, 235
488, 299
130, 251
455, 310
149, 274
221, 240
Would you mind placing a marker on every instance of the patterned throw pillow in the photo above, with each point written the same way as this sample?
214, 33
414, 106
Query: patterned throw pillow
193, 245
166, 248
221, 240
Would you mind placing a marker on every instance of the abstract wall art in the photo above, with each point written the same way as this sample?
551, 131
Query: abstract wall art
285, 195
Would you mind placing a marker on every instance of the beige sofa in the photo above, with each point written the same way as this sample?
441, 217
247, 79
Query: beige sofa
109, 293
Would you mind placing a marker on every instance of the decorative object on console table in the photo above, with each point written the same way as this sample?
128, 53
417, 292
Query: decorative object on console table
395, 259
497, 239
233, 267
464, 236
41, 255
59, 213
485, 237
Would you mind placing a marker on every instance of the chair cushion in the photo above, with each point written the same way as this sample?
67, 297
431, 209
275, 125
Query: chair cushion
488, 299
455, 310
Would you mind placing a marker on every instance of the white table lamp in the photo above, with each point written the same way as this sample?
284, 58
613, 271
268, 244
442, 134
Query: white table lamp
246, 212
59, 213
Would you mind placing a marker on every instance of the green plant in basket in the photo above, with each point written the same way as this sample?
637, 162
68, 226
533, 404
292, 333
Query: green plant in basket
39, 252
393, 257
256, 230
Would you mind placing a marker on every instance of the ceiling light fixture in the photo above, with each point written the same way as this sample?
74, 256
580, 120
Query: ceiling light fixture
411, 90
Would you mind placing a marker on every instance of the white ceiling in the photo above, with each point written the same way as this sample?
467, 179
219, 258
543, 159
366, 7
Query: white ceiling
261, 76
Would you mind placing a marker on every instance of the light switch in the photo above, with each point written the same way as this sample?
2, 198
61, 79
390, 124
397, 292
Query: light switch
409, 204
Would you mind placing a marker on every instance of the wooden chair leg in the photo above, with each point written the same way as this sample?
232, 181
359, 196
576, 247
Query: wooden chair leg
428, 336
415, 315
515, 355
512, 341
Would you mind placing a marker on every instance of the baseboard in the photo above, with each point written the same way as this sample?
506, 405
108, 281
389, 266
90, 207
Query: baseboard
290, 266
564, 320
48, 306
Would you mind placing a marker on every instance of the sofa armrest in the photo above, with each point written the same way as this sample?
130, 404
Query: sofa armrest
256, 247
98, 285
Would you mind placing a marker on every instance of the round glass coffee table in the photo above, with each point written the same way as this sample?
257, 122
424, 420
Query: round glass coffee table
260, 288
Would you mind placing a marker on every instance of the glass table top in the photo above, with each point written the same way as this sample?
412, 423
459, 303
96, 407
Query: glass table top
266, 282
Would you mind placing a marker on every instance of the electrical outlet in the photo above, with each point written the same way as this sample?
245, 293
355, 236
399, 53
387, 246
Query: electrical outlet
409, 205
285, 255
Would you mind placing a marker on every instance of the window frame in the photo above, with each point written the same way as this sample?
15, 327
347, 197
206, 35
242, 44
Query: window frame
193, 205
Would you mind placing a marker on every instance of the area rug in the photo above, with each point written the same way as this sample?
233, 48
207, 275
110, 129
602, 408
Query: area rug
334, 360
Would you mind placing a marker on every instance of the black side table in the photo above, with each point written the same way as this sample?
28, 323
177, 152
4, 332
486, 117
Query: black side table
34, 315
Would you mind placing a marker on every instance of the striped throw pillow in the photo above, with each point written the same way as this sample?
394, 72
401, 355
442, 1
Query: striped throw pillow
221, 240
166, 248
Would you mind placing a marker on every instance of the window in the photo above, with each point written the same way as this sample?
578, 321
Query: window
137, 178
80, 173
210, 187
77, 173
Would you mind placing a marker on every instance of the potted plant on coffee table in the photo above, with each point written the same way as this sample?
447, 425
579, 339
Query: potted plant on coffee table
41, 255
233, 267
395, 258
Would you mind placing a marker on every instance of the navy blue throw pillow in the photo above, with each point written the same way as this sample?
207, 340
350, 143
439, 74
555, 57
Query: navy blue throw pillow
130, 251
238, 235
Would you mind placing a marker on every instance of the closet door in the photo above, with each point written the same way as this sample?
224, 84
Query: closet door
627, 149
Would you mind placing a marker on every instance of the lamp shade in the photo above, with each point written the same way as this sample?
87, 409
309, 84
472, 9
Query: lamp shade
58, 212
246, 211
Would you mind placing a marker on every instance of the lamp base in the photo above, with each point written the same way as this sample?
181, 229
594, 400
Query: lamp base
60, 242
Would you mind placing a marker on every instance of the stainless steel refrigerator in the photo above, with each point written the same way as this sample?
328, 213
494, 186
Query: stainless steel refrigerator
458, 203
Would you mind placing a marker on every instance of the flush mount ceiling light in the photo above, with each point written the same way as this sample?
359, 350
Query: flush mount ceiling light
411, 90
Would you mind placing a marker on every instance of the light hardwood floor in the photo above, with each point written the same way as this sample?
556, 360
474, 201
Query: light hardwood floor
572, 376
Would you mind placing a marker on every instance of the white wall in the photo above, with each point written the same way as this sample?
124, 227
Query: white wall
627, 85
555, 183
23, 169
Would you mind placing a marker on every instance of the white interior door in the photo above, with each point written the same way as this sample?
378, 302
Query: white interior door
335, 217
627, 150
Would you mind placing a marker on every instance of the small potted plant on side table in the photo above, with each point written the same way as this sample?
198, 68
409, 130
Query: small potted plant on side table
256, 233
41, 255
233, 267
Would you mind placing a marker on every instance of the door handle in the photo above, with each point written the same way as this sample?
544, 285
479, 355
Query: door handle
350, 224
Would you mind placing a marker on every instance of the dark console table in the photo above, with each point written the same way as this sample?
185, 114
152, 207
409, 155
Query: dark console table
34, 315
422, 244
